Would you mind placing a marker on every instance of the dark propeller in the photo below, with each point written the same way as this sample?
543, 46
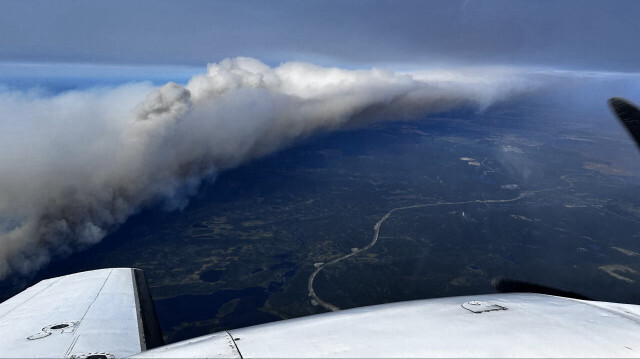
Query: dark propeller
504, 285
629, 115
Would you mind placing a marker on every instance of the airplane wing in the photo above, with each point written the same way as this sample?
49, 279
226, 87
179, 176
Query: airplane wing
106, 313
495, 325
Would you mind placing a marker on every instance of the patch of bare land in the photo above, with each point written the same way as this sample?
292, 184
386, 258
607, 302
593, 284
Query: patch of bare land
613, 269
605, 169
626, 251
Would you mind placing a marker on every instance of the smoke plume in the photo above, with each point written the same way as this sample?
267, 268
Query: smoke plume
74, 166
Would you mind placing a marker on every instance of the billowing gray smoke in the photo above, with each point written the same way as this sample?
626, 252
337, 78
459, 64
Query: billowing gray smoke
76, 165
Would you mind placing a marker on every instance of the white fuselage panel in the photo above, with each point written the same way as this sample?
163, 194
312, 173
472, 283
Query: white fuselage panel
497, 325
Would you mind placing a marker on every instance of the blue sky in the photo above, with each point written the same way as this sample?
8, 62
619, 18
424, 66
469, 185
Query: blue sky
573, 35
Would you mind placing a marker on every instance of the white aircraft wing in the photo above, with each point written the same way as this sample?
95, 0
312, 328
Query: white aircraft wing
103, 313
108, 313
496, 325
